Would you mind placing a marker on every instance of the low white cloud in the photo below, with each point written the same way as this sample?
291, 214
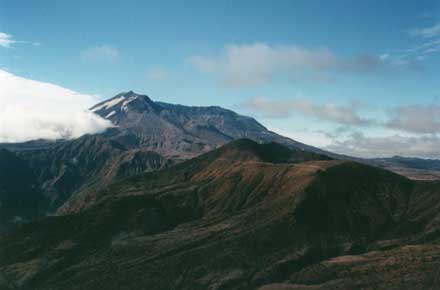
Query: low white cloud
101, 53
6, 40
32, 109
426, 32
360, 145
345, 115
415, 118
407, 130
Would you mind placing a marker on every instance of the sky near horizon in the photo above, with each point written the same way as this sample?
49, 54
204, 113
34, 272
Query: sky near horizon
358, 78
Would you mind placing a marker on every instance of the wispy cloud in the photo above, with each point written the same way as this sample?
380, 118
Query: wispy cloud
428, 43
260, 63
426, 32
423, 51
345, 115
422, 47
101, 53
31, 109
6, 40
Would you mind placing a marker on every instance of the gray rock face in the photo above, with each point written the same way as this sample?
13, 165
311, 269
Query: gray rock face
178, 131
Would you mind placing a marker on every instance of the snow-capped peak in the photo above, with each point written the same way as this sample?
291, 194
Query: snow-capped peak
126, 102
123, 102
109, 104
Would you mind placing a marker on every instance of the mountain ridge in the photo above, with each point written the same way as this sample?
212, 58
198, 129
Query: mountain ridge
164, 127
235, 219
147, 136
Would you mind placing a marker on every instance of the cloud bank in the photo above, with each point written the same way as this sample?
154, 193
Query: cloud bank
31, 109
358, 144
417, 119
407, 130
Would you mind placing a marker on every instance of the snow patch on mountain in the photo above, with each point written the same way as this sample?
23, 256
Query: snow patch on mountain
124, 106
110, 114
109, 104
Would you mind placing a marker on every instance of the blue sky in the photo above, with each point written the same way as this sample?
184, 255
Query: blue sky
354, 77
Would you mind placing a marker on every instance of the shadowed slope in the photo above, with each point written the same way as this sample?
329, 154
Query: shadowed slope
86, 164
245, 216
232, 162
20, 199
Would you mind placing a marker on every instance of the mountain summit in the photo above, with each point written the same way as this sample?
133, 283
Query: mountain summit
123, 104
178, 131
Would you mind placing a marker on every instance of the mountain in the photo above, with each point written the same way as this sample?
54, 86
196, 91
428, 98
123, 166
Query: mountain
415, 168
243, 216
146, 136
39, 144
179, 131
242, 151
88, 163
20, 199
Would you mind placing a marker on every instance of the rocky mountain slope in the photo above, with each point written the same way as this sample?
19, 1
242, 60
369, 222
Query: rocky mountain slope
244, 216
147, 136
176, 130
86, 164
